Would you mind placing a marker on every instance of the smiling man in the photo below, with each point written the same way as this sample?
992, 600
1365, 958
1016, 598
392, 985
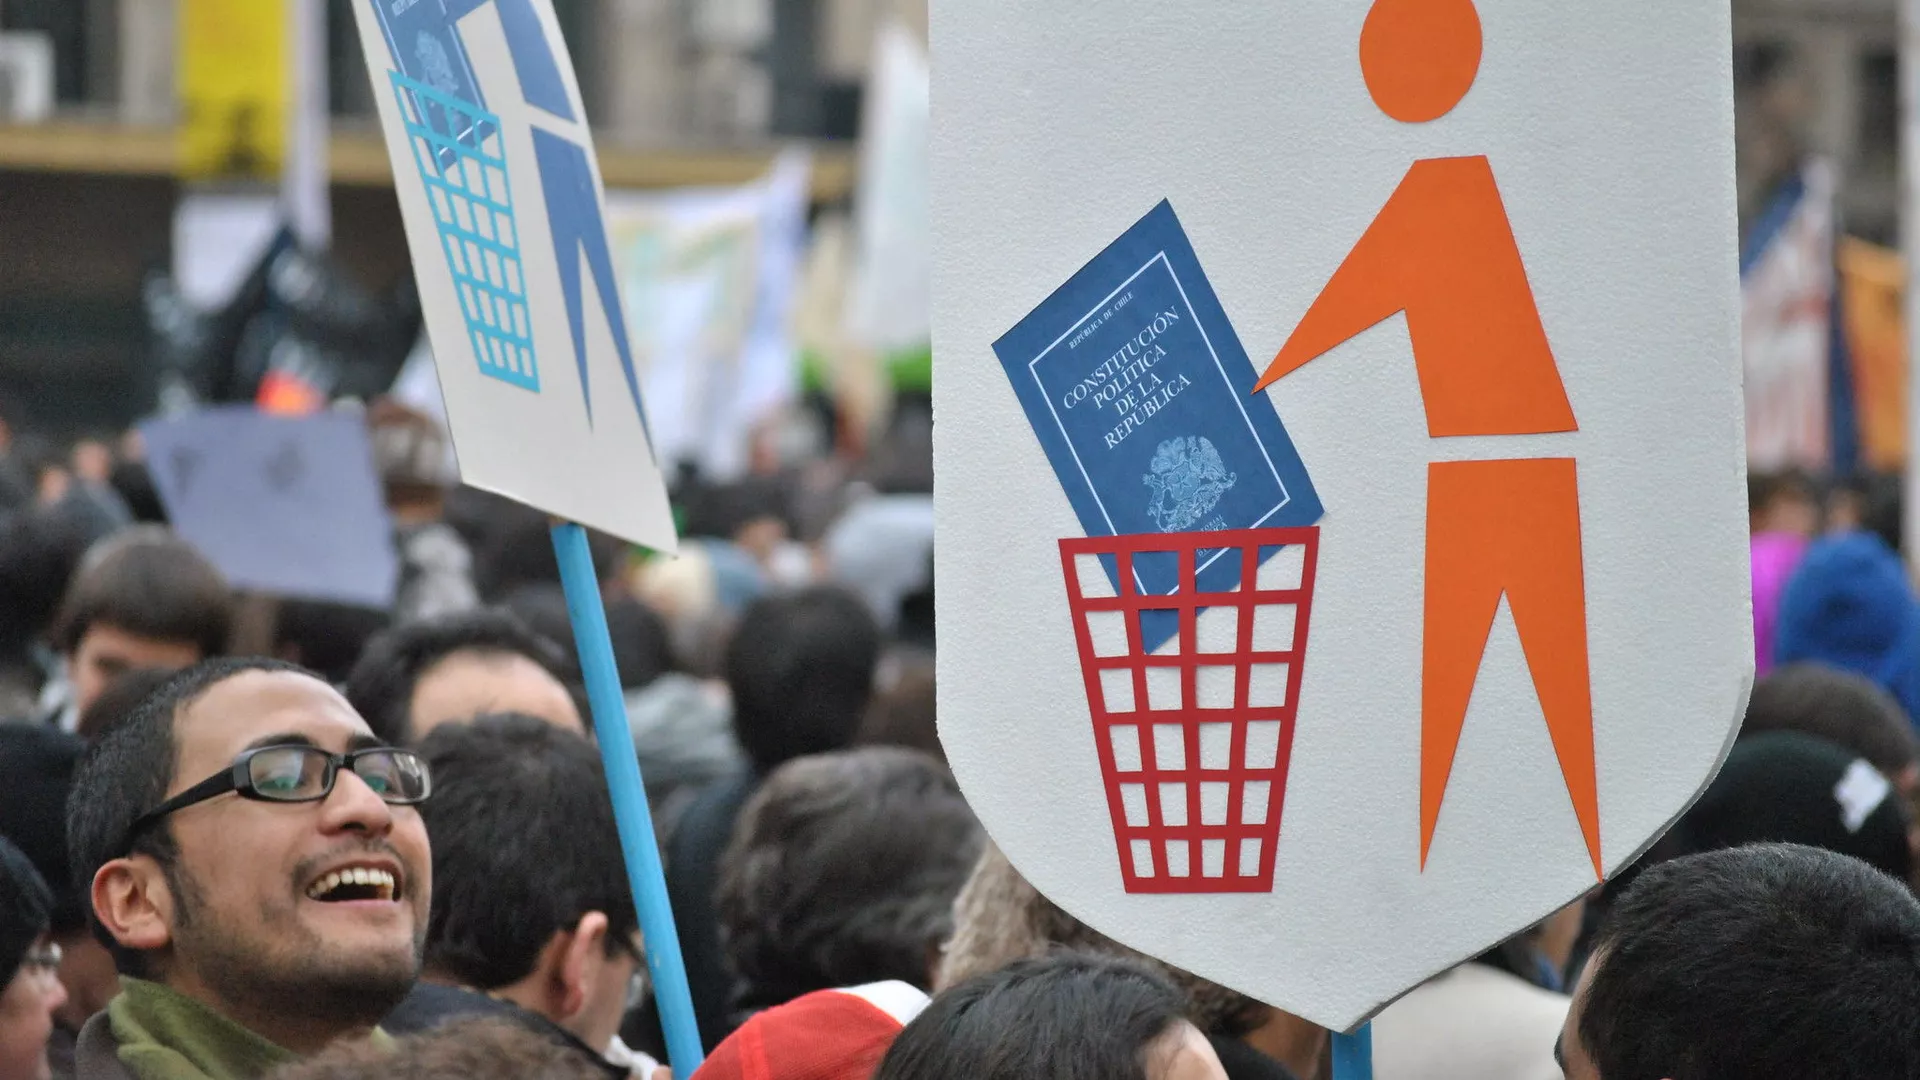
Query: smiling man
255, 862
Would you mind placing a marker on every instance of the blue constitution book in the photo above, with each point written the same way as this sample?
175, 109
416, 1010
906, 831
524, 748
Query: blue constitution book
1141, 395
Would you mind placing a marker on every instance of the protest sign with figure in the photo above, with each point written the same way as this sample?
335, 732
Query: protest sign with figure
506, 223
502, 201
1392, 459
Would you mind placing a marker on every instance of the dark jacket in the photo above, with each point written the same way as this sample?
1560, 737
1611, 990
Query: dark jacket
693, 875
430, 1005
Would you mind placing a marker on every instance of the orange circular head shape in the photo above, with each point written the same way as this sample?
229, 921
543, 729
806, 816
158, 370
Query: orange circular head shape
1419, 57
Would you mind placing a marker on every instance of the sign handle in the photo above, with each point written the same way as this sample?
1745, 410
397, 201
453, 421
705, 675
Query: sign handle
1352, 1054
608, 703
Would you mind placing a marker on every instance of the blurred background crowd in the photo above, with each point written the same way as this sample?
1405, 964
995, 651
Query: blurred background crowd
196, 213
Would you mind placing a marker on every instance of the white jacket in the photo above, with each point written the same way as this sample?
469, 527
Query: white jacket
1472, 1023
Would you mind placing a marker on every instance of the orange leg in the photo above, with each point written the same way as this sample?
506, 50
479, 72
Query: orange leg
1509, 527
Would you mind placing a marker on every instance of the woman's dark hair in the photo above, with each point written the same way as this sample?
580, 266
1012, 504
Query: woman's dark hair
1068, 1016
842, 871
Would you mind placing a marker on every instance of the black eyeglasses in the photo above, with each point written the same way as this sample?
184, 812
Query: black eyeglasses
298, 773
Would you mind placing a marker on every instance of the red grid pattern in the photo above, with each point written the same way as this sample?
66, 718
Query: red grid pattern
1195, 792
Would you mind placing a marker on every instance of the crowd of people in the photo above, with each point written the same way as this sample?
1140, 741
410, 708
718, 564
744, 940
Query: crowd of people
245, 836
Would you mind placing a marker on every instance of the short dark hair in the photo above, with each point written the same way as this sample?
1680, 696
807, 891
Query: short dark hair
123, 694
1761, 962
1838, 706
843, 870
518, 551
326, 637
524, 844
150, 583
127, 773
39, 551
1764, 487
800, 667
1072, 1016
382, 682
642, 644
481, 1049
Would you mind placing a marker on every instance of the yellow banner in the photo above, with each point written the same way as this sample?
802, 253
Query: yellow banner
1872, 285
234, 86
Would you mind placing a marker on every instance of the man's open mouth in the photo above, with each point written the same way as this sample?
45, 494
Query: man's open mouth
353, 883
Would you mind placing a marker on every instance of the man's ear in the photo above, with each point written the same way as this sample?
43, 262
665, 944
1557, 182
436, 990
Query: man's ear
132, 900
583, 954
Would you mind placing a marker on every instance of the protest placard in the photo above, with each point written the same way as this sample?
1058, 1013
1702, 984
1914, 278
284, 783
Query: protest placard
506, 221
1342, 532
502, 200
288, 506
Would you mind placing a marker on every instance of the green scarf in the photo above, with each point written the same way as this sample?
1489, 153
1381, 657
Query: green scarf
168, 1036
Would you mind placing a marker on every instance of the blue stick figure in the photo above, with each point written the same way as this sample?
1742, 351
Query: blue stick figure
450, 114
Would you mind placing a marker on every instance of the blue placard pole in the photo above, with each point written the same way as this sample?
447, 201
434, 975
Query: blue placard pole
1352, 1055
608, 703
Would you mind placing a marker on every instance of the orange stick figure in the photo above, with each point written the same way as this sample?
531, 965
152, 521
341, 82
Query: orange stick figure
1442, 251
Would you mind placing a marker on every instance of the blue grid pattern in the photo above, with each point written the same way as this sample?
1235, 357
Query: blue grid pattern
466, 182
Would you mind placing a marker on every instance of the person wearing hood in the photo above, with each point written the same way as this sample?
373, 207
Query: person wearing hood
1850, 606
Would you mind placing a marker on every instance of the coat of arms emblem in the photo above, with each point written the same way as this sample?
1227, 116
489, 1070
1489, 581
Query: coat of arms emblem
1187, 480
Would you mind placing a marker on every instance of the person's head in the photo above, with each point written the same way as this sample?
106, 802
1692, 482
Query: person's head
1785, 787
1782, 502
842, 871
324, 637
1868, 502
1419, 57
642, 643
517, 551
227, 856
410, 454
751, 513
141, 599
123, 694
1767, 962
483, 1049
903, 713
36, 776
40, 549
91, 460
1067, 1016
30, 990
530, 899
1000, 918
1851, 605
800, 666
1842, 708
418, 675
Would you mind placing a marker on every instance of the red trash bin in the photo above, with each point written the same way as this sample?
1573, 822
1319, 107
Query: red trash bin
1195, 791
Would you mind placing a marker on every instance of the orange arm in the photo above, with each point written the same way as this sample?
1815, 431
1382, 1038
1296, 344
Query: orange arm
1363, 292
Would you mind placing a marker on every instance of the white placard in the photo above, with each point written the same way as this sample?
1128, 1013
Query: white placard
1608, 129
501, 196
